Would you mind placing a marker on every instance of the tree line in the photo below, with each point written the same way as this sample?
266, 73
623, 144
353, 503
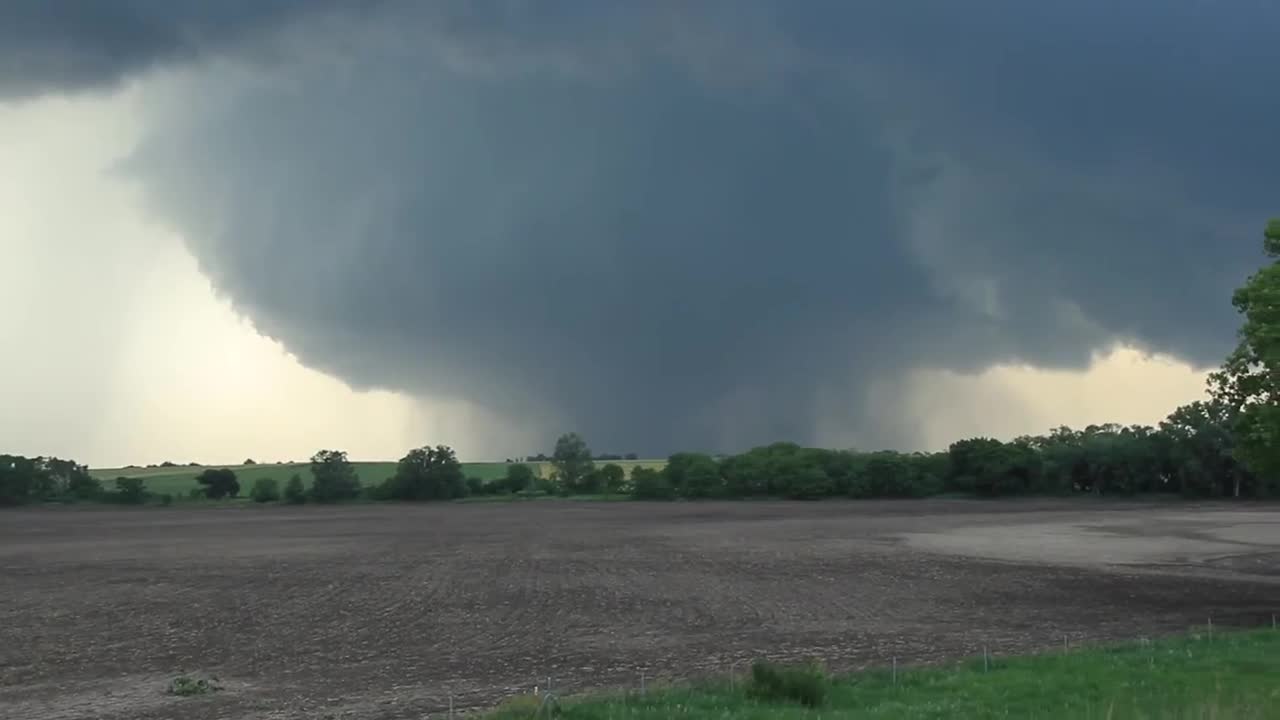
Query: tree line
1225, 446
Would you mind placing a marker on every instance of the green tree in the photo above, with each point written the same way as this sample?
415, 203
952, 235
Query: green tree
572, 462
1249, 382
219, 483
334, 477
18, 479
747, 474
265, 490
83, 486
295, 493
519, 478
430, 473
1201, 450
649, 484
66, 479
694, 475
989, 467
612, 477
131, 490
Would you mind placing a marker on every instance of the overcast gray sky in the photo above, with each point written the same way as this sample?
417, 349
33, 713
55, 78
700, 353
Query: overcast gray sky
261, 228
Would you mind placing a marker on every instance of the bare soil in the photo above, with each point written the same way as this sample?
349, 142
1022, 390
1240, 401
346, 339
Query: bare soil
389, 611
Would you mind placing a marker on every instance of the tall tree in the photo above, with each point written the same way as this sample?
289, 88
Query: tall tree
1201, 450
219, 483
572, 461
429, 473
1249, 381
335, 477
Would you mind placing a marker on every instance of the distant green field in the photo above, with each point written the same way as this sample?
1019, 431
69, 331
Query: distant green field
179, 481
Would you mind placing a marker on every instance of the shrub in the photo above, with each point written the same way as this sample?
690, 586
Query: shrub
612, 477
590, 484
809, 483
649, 484
185, 686
166, 499
805, 684
83, 486
295, 493
219, 483
130, 491
694, 475
519, 477
265, 490
384, 490
475, 486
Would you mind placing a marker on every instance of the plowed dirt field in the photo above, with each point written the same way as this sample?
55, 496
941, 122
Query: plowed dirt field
389, 611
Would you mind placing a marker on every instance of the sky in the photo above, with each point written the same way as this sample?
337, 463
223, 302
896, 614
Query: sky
258, 229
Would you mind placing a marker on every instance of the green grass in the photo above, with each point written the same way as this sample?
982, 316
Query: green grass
179, 481
1231, 675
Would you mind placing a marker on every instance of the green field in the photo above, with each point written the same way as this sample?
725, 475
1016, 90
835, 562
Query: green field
1201, 675
179, 481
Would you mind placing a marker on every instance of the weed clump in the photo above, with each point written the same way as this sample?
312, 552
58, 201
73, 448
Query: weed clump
804, 684
187, 686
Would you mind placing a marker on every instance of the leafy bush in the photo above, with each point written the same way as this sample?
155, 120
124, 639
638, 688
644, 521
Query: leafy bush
545, 486
649, 484
384, 490
694, 475
265, 490
83, 486
130, 491
809, 482
295, 493
166, 499
612, 477
805, 684
475, 486
519, 477
219, 483
186, 686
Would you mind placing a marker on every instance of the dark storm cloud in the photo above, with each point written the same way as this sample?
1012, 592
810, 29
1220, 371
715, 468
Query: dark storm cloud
709, 224
51, 45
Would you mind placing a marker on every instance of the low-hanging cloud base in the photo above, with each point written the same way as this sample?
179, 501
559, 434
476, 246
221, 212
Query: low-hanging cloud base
707, 225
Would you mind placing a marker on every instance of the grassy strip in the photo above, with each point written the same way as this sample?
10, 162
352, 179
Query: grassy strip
1200, 675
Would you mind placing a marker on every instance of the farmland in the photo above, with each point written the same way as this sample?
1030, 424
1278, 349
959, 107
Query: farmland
180, 480
389, 611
